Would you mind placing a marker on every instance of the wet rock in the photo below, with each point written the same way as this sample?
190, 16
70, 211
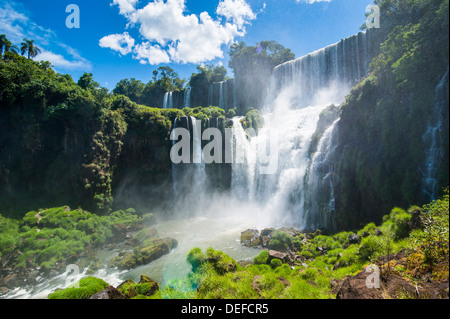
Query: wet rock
250, 238
279, 255
153, 250
353, 239
151, 286
10, 281
267, 232
108, 293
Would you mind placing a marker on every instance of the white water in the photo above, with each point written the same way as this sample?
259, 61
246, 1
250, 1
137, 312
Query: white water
320, 182
222, 94
168, 100
187, 97
431, 138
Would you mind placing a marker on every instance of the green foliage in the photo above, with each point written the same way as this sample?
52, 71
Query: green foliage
50, 236
275, 263
252, 65
262, 258
433, 241
253, 121
372, 247
85, 288
392, 106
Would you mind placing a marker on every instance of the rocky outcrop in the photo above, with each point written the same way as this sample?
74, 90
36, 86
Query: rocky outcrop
384, 281
108, 293
142, 255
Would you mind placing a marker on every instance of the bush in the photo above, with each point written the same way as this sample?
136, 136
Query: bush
372, 247
262, 258
280, 241
275, 263
86, 288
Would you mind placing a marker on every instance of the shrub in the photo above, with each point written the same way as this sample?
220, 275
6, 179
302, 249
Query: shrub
85, 288
275, 263
262, 258
372, 247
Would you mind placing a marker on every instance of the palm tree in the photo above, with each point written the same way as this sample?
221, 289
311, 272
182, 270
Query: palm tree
9, 47
3, 40
28, 46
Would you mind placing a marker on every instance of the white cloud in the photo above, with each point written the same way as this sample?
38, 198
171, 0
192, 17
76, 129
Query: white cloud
152, 54
15, 24
237, 11
125, 6
184, 37
59, 61
123, 43
311, 1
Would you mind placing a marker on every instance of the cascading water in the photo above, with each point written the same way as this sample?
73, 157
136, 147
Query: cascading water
300, 90
243, 163
432, 139
320, 203
222, 94
168, 100
330, 70
187, 97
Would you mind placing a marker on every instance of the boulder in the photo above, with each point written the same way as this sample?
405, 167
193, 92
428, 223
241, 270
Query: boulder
250, 238
279, 255
353, 239
153, 250
416, 221
108, 293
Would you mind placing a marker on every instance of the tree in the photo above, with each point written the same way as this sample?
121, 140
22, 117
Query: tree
201, 81
6, 45
3, 40
28, 46
131, 88
87, 82
252, 66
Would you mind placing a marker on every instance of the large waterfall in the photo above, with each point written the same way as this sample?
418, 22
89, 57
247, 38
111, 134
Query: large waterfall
330, 70
300, 192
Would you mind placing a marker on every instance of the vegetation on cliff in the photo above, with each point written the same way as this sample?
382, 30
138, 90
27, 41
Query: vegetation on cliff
381, 154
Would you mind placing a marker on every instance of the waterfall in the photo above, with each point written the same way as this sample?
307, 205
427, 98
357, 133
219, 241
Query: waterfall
189, 179
187, 97
168, 100
431, 138
221, 97
222, 94
333, 69
243, 163
320, 204
301, 190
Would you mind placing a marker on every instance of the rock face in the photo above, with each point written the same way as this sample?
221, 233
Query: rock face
146, 287
141, 255
384, 282
108, 293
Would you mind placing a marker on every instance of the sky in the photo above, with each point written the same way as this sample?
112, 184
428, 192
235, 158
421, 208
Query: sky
118, 39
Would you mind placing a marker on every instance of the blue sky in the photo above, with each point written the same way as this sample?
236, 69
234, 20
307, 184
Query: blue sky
120, 39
